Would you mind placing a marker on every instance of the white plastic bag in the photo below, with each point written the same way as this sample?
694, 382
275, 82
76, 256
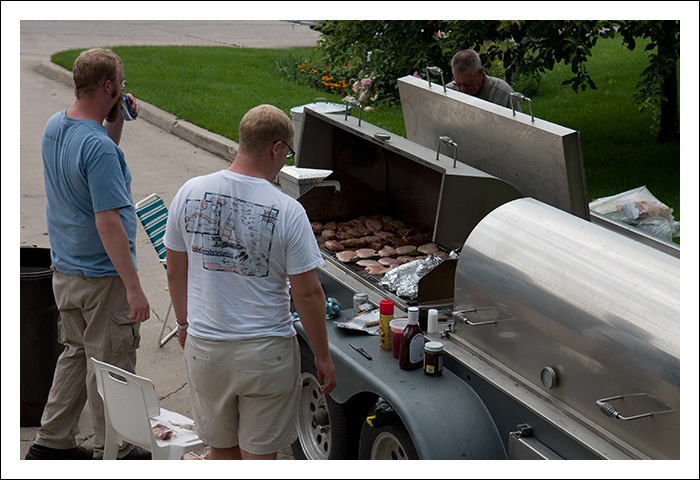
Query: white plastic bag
639, 208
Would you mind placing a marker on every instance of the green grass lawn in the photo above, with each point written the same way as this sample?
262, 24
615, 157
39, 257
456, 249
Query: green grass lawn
620, 151
213, 87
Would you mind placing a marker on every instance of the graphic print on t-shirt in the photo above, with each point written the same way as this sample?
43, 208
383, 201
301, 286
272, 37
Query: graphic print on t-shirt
233, 235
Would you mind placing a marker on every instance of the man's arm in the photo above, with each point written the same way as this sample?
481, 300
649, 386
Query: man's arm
114, 129
177, 284
310, 304
116, 243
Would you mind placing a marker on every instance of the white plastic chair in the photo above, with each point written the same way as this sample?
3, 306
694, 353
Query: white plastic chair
131, 412
153, 215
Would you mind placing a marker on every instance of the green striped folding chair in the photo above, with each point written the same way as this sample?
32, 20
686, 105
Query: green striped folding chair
153, 215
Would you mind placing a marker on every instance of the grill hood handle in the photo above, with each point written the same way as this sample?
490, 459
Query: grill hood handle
521, 98
447, 141
435, 71
349, 105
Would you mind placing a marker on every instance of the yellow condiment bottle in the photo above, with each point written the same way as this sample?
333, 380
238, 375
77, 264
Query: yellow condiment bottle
386, 315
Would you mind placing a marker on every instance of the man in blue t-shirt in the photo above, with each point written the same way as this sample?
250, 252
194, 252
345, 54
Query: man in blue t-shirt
92, 229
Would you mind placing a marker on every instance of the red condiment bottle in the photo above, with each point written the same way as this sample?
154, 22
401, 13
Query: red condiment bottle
411, 350
386, 315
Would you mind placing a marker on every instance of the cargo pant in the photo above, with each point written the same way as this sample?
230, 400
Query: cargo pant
93, 322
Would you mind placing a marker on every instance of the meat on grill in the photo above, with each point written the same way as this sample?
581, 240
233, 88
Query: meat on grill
367, 262
328, 234
406, 250
374, 237
317, 227
373, 225
390, 262
366, 252
429, 248
333, 246
353, 243
373, 270
347, 233
346, 256
405, 259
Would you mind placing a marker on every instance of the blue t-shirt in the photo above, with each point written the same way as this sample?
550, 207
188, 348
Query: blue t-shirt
84, 173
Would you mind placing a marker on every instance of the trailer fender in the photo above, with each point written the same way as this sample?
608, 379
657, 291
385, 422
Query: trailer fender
444, 416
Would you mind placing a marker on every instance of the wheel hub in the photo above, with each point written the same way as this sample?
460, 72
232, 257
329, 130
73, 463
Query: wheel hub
387, 447
313, 421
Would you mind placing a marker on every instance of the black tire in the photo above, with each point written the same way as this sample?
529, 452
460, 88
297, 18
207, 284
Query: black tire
321, 422
390, 442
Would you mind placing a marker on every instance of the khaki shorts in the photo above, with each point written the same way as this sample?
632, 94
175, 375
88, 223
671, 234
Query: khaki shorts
245, 393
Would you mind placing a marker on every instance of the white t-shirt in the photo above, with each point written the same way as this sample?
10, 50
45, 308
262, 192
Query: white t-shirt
243, 237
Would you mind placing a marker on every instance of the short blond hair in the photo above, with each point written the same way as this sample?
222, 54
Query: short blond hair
261, 127
93, 68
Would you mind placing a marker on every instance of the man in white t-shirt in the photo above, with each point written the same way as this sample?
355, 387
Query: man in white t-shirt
235, 247
470, 78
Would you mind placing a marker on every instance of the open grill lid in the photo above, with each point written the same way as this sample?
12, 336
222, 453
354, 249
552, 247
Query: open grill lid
431, 192
438, 196
542, 159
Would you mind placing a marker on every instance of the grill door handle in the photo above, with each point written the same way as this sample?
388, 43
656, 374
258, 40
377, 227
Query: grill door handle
611, 411
461, 316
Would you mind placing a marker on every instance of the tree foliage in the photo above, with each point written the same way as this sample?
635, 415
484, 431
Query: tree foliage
387, 50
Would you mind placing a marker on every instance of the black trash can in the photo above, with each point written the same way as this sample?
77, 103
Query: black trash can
39, 347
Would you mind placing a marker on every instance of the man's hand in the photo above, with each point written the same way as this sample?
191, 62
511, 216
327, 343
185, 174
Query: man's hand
140, 310
181, 337
326, 374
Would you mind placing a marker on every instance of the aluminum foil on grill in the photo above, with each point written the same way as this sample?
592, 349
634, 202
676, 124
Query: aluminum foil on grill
403, 280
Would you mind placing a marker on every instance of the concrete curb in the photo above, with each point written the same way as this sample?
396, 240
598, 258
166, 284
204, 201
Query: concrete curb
200, 137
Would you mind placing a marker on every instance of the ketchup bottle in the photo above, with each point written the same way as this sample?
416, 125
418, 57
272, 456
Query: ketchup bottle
411, 350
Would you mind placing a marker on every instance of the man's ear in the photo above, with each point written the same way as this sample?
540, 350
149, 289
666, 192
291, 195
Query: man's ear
275, 148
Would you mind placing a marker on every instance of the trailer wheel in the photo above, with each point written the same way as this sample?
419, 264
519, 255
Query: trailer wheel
321, 422
390, 442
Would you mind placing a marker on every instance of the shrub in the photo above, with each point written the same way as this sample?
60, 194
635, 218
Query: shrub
314, 73
383, 50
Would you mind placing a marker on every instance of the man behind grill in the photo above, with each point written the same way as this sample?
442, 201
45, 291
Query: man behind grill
235, 246
470, 78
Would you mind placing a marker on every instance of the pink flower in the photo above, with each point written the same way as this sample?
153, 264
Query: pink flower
366, 82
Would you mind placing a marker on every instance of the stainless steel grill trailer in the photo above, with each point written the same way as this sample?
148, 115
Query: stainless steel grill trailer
562, 339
